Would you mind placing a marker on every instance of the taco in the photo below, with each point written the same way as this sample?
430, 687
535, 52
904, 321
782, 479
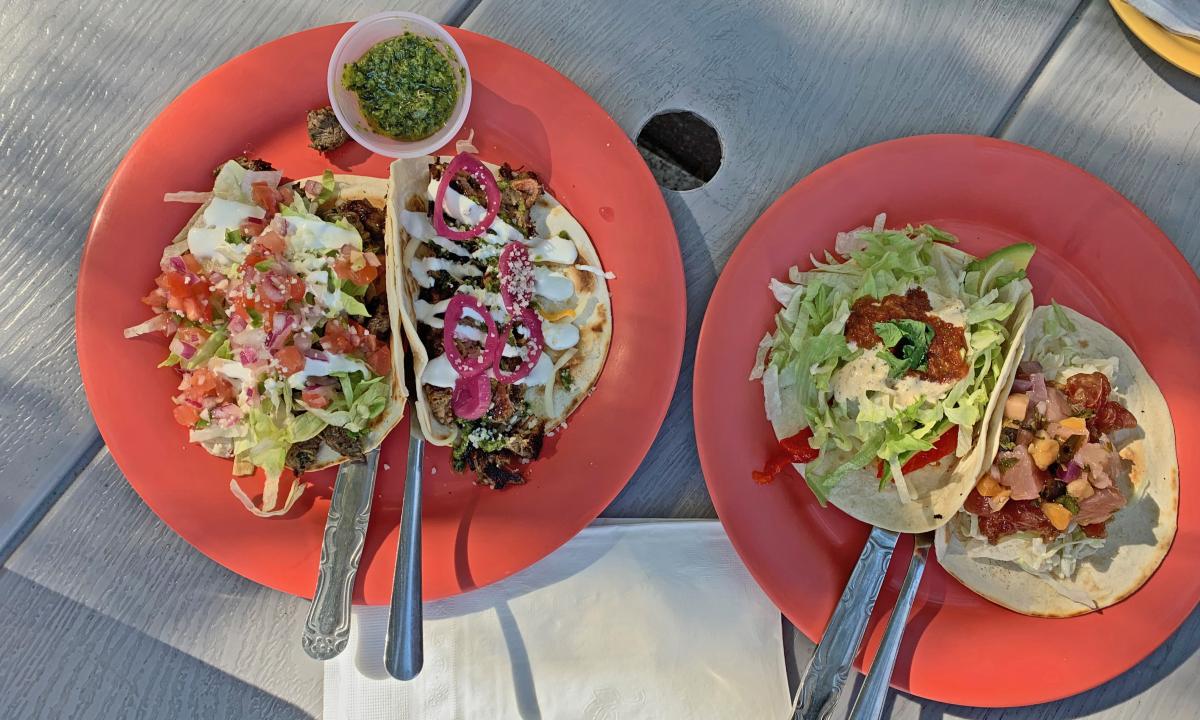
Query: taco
1079, 506
512, 280
279, 308
884, 368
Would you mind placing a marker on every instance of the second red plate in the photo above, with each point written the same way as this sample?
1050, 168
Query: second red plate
1095, 252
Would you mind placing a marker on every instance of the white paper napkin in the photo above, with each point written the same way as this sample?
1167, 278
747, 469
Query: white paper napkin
1179, 16
648, 620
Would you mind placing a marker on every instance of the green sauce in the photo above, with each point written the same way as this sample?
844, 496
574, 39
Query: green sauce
406, 86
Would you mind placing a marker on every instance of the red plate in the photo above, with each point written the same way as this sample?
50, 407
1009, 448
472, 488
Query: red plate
523, 112
1097, 253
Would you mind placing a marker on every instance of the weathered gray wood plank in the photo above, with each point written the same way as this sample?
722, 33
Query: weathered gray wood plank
107, 613
78, 82
789, 86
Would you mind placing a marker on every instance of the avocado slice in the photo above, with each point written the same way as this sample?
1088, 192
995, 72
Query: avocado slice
1009, 260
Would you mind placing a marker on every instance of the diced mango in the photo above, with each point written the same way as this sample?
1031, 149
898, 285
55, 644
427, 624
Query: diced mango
1074, 423
987, 486
1059, 516
1015, 406
1043, 451
997, 501
1080, 489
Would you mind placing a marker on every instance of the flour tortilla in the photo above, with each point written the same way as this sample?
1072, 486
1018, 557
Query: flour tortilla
346, 188
940, 488
1139, 535
410, 180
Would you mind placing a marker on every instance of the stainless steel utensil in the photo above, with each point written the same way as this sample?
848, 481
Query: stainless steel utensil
869, 704
404, 650
328, 626
830, 663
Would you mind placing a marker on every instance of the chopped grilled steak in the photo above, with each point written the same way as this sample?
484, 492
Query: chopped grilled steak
379, 324
368, 220
444, 287
302, 455
498, 477
439, 403
253, 164
506, 401
526, 440
325, 133
343, 441
518, 193
431, 338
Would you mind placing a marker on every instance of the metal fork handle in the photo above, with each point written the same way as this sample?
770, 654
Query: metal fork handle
869, 704
404, 651
830, 664
327, 629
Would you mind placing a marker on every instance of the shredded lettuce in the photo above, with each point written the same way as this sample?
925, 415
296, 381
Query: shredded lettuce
809, 347
1058, 558
269, 430
1058, 350
360, 402
228, 184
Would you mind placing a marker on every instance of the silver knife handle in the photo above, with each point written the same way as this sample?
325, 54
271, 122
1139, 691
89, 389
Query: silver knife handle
830, 663
404, 652
869, 704
328, 626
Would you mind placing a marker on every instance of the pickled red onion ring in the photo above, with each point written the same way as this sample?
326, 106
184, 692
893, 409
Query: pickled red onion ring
516, 278
454, 311
479, 171
533, 348
471, 397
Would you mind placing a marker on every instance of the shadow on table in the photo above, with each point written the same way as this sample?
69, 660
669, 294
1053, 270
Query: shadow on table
1145, 675
64, 659
1183, 82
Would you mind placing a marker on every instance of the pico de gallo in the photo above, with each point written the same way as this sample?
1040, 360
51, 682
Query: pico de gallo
276, 309
496, 309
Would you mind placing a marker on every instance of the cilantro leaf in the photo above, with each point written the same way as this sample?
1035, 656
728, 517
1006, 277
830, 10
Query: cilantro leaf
908, 342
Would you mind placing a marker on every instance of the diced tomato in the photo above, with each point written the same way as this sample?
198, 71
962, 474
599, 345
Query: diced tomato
186, 415
353, 265
191, 263
205, 383
193, 336
286, 195
290, 360
318, 397
380, 361
265, 197
157, 299
197, 310
272, 242
792, 450
342, 338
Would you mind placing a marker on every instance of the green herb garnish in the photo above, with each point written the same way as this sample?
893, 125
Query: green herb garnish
908, 341
1069, 503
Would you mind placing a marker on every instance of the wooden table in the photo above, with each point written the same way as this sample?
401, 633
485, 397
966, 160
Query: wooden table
106, 613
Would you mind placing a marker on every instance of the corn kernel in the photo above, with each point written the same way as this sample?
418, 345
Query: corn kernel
987, 487
1015, 406
1080, 488
1059, 516
1043, 451
1074, 423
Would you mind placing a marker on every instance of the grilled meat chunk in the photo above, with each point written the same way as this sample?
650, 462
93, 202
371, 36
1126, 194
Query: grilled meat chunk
439, 403
368, 220
302, 455
343, 441
325, 133
253, 164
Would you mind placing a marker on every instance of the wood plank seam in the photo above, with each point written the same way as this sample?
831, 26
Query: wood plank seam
1014, 106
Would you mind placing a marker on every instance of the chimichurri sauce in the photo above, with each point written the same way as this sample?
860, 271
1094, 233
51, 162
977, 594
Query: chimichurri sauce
406, 86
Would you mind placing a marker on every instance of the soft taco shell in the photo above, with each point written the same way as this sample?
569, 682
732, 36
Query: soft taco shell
1139, 535
410, 180
940, 488
375, 191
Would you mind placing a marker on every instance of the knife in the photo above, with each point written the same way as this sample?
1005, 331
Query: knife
830, 663
328, 626
403, 653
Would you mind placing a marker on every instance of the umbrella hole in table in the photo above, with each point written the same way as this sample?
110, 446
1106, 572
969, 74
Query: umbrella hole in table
682, 149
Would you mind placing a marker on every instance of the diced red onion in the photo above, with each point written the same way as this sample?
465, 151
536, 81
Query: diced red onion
532, 349
178, 265
476, 169
248, 356
279, 224
282, 328
313, 188
237, 323
471, 397
316, 355
1029, 367
1021, 385
270, 287
187, 196
516, 278
372, 259
226, 415
492, 343
252, 227
1037, 389
270, 177
1068, 473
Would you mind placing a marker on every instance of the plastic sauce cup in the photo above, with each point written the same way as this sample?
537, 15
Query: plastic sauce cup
360, 38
